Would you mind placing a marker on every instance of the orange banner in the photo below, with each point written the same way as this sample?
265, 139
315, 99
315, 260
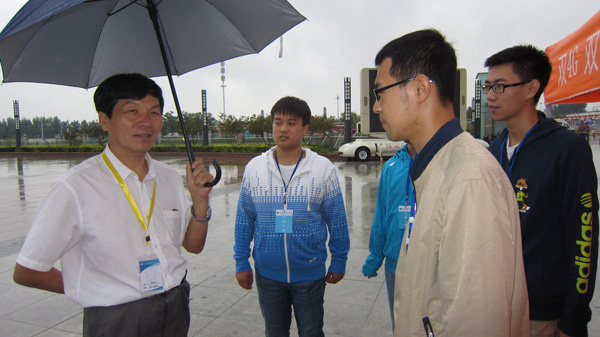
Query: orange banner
575, 66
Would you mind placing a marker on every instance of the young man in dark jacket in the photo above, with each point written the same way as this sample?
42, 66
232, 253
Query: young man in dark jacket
553, 174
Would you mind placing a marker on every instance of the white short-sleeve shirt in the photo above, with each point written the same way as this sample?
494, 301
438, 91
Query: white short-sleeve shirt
87, 223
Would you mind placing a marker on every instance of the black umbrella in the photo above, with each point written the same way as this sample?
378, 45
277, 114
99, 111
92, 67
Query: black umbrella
82, 42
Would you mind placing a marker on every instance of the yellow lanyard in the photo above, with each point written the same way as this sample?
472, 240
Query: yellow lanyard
134, 206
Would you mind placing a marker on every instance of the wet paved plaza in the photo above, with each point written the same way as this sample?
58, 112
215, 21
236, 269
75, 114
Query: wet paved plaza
356, 306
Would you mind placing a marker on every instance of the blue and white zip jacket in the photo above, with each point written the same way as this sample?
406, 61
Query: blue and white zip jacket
315, 196
395, 190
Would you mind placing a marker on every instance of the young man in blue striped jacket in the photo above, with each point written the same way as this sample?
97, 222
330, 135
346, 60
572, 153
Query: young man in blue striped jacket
289, 202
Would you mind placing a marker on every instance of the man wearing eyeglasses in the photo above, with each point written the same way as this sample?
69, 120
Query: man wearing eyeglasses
460, 270
554, 179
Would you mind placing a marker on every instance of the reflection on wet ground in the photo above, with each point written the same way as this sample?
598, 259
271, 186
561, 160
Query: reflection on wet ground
357, 306
25, 181
219, 306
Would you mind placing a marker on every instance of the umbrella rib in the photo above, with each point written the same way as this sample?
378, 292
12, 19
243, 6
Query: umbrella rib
127, 5
142, 4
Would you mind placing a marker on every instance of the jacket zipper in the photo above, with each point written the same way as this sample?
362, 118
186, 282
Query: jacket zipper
287, 260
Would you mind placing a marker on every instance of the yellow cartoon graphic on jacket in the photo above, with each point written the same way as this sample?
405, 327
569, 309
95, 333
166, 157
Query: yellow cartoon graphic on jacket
522, 195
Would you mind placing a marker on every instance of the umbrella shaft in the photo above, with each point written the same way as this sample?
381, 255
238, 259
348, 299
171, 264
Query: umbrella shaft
152, 11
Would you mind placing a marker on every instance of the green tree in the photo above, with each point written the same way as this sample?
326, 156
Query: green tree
27, 128
193, 125
213, 124
53, 127
94, 130
7, 128
73, 133
322, 125
41, 128
231, 125
170, 123
561, 110
84, 127
259, 125
354, 118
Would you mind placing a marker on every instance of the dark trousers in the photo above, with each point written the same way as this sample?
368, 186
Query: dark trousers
162, 315
276, 300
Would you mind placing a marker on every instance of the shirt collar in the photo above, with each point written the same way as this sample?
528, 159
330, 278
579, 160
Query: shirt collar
124, 171
444, 135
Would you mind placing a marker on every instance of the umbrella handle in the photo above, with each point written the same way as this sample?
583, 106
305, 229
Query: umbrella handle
217, 174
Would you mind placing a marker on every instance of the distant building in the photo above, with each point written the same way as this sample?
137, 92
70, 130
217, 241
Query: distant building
484, 126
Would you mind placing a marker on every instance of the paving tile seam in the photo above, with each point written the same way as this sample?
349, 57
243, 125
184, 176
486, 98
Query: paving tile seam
44, 329
55, 327
382, 292
70, 316
212, 319
28, 323
12, 246
230, 306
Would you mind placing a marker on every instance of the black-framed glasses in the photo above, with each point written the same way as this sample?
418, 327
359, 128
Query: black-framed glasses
378, 91
499, 88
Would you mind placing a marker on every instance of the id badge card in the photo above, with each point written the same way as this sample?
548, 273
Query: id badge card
150, 274
404, 215
283, 221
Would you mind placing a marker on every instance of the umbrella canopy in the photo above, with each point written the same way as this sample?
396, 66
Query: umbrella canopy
80, 43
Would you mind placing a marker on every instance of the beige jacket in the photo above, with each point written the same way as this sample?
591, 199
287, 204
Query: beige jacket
464, 265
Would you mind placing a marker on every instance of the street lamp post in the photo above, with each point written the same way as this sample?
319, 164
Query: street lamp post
17, 124
223, 84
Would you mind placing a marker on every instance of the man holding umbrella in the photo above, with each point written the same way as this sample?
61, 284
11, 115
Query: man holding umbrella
117, 222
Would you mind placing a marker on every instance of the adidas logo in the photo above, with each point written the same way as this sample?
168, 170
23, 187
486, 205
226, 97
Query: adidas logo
586, 200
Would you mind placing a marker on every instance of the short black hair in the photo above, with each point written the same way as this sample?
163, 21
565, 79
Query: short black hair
292, 106
125, 86
529, 63
423, 52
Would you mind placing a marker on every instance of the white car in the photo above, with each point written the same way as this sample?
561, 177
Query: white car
363, 149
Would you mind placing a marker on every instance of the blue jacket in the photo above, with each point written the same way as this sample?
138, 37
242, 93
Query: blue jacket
389, 222
315, 197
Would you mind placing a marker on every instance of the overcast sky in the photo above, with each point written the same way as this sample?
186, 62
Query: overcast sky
339, 38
